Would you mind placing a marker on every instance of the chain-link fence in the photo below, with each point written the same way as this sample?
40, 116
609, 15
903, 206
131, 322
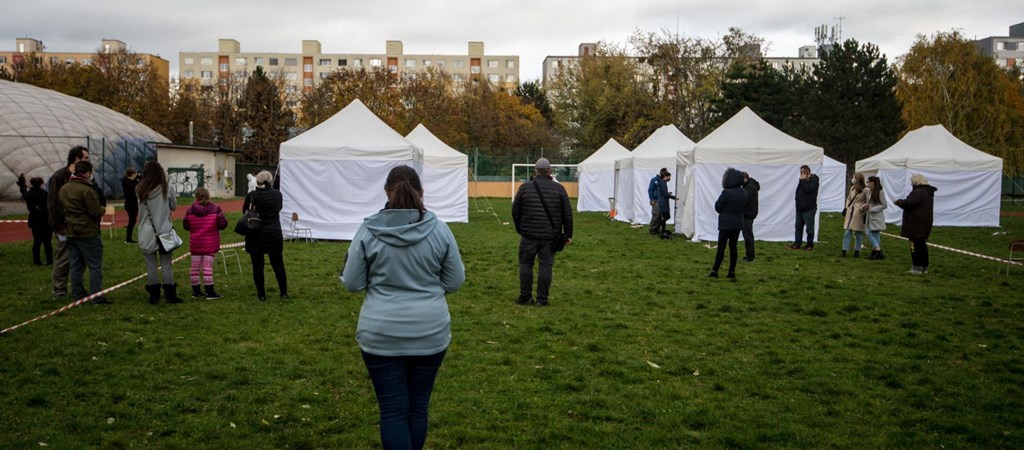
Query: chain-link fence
489, 167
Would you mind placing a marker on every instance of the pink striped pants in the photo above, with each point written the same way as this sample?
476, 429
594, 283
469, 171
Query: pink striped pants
202, 265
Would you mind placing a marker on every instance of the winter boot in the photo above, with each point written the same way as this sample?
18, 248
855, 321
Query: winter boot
844, 253
197, 291
856, 253
171, 293
880, 255
154, 293
212, 294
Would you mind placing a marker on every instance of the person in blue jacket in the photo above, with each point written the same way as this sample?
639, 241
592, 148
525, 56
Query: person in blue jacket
730, 206
407, 261
652, 195
664, 207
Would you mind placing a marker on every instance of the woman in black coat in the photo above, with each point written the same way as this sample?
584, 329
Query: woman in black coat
39, 222
917, 221
730, 207
129, 182
266, 238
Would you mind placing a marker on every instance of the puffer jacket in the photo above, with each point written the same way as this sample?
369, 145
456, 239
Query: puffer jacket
731, 202
267, 237
155, 218
752, 187
918, 212
204, 222
406, 266
854, 219
528, 212
82, 208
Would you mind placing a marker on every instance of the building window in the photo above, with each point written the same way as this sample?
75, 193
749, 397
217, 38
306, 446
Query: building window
393, 68
375, 62
206, 61
307, 81
69, 60
224, 67
207, 74
342, 62
510, 64
307, 67
3, 60
240, 61
87, 62
410, 63
494, 78
459, 78
1000, 46
554, 64
492, 64
440, 63
459, 63
273, 61
426, 63
474, 69
357, 62
325, 61
258, 60
291, 76
54, 60
190, 60
324, 75
292, 62
188, 74
509, 78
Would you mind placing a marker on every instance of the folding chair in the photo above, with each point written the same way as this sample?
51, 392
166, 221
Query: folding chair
108, 220
228, 253
297, 232
1016, 246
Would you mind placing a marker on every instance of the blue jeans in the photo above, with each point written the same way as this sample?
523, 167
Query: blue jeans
875, 237
846, 239
529, 250
803, 219
403, 385
85, 252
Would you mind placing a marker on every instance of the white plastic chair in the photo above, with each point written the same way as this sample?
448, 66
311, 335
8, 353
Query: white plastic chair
297, 232
109, 213
230, 253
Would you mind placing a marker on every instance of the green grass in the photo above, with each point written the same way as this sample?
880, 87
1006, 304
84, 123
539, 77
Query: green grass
804, 350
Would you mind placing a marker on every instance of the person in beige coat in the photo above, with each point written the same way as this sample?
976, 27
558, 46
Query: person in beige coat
853, 222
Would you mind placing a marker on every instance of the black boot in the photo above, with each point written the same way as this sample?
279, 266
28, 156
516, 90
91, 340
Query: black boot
154, 293
880, 255
856, 253
197, 291
844, 253
171, 293
212, 294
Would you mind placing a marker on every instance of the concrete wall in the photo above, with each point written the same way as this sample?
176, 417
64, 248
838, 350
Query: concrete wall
213, 165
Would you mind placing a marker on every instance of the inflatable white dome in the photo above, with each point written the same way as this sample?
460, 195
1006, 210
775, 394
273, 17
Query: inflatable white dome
38, 127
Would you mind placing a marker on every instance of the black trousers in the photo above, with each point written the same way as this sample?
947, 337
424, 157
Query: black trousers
729, 237
748, 237
277, 263
41, 237
133, 214
919, 252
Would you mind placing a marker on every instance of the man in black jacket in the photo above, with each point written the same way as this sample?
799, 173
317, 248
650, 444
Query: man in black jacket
806, 208
749, 214
540, 211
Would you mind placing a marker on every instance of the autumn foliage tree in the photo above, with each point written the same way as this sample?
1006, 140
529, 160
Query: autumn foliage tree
266, 118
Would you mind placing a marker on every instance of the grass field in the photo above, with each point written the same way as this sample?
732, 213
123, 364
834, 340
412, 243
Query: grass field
638, 350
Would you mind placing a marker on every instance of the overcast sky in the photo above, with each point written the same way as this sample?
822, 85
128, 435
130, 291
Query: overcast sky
532, 29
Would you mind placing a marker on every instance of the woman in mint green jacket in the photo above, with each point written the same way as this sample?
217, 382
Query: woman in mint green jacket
407, 261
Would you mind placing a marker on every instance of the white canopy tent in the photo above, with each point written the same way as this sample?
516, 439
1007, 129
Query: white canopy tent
747, 143
445, 176
968, 180
832, 189
633, 174
597, 177
333, 174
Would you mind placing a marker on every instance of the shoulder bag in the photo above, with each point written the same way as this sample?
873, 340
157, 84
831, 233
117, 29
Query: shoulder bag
249, 221
558, 243
166, 242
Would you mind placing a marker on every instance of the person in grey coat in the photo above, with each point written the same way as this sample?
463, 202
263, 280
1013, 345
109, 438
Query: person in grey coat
875, 209
407, 261
157, 200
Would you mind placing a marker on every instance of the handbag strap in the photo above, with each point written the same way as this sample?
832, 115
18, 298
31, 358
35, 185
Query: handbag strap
545, 205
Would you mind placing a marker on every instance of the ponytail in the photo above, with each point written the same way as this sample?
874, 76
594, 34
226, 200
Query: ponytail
405, 190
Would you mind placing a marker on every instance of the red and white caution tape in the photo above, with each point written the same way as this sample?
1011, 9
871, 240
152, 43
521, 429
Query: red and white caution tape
91, 297
14, 221
962, 252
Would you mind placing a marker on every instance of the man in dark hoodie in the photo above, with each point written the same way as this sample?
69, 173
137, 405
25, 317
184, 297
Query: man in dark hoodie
806, 208
917, 221
749, 214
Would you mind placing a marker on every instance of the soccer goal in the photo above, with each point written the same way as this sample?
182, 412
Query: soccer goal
521, 173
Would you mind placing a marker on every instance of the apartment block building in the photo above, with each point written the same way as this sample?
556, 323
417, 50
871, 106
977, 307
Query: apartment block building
1008, 51
302, 70
23, 47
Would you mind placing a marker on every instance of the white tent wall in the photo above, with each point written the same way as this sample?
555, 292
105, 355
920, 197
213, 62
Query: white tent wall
776, 217
962, 198
596, 176
635, 172
832, 191
333, 197
445, 176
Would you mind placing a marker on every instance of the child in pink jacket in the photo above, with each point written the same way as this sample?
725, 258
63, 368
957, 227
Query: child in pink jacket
204, 220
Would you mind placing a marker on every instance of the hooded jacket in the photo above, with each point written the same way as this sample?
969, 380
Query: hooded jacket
155, 218
918, 212
752, 187
407, 268
81, 206
731, 202
528, 212
204, 222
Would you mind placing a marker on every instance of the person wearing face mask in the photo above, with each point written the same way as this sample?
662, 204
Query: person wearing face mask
82, 213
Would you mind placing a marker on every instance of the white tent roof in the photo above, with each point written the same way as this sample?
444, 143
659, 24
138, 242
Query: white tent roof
658, 150
930, 147
353, 133
746, 138
604, 157
435, 152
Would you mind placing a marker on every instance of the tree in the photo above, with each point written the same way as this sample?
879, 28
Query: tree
945, 80
266, 117
849, 106
532, 93
768, 92
376, 88
430, 99
191, 104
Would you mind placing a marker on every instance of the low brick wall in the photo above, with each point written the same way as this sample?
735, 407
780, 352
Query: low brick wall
505, 189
